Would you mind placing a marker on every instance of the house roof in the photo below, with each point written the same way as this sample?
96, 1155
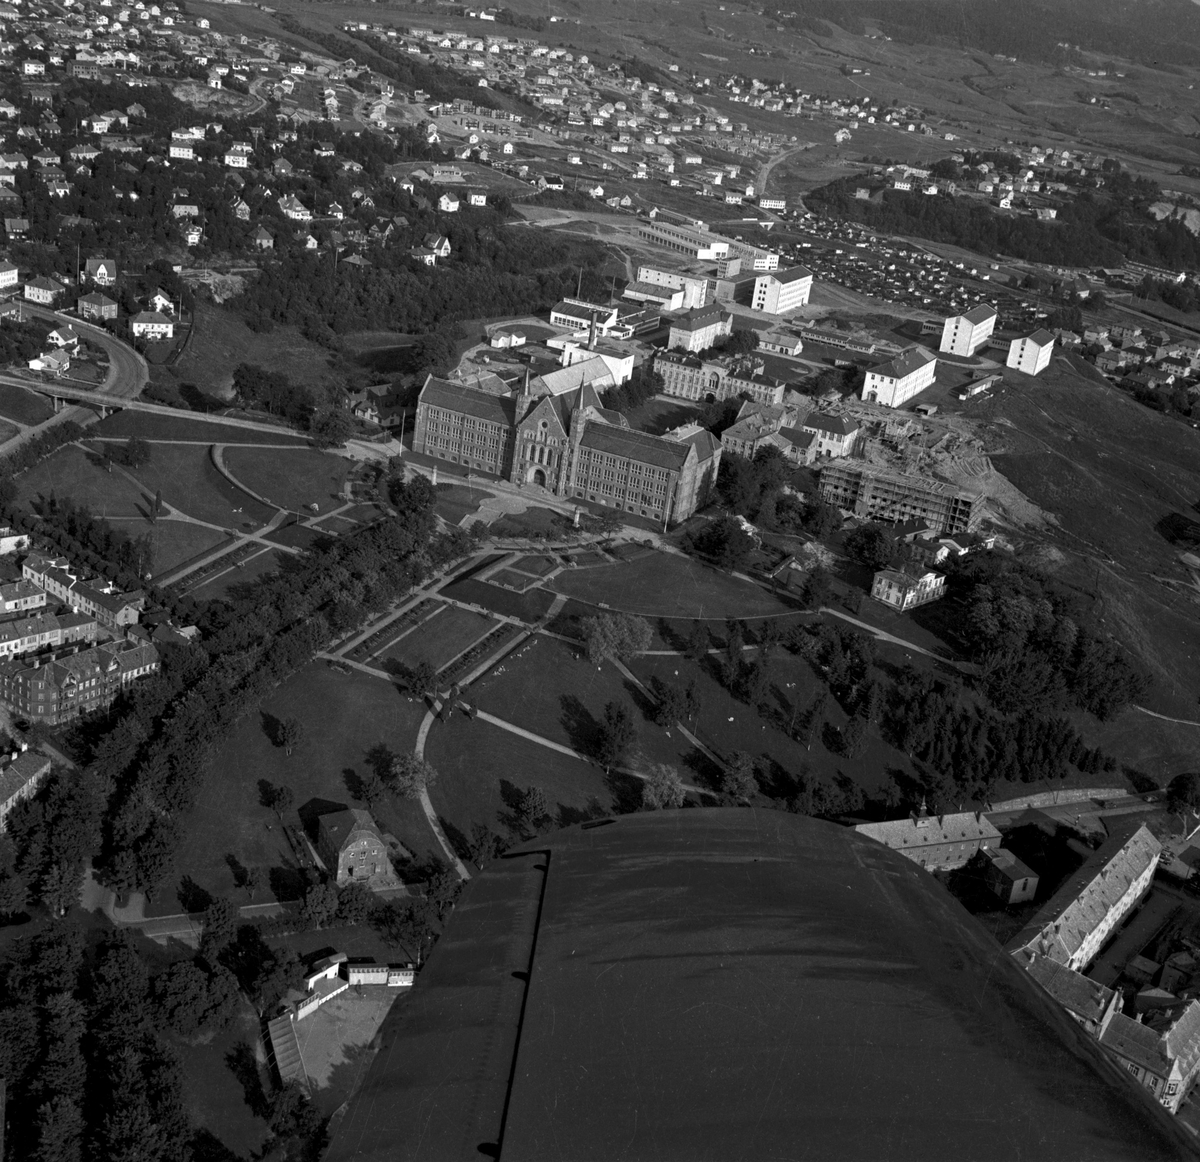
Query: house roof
792, 274
700, 317
904, 364
344, 827
910, 834
1041, 337
980, 314
457, 397
1063, 923
1137, 1043
633, 445
635, 989
26, 767
834, 425
151, 318
1078, 994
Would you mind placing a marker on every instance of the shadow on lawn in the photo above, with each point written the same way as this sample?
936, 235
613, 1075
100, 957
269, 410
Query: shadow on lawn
192, 897
244, 1067
207, 1147
583, 731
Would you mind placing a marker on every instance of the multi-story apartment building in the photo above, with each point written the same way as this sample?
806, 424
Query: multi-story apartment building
875, 494
1031, 354
966, 334
108, 605
893, 384
782, 291
21, 774
569, 444
716, 379
61, 688
700, 328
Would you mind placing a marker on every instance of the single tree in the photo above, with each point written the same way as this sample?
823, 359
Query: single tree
698, 642
410, 776
616, 733
282, 799
291, 734
738, 778
485, 845
616, 635
254, 880
320, 905
532, 809
663, 788
218, 927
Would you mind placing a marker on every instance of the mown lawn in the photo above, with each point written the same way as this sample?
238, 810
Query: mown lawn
343, 715
291, 478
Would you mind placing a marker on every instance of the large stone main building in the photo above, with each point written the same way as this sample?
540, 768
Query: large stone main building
569, 444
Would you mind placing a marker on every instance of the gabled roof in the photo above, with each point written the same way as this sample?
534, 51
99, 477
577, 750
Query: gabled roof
700, 317
1078, 994
904, 364
633, 445
1085, 898
834, 425
459, 398
25, 768
344, 827
910, 834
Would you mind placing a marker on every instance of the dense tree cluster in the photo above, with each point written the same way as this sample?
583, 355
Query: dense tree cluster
28, 454
1097, 228
968, 749
1037, 647
644, 384
91, 540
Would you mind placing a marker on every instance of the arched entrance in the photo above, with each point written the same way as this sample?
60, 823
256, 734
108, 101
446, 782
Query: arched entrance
537, 476
710, 397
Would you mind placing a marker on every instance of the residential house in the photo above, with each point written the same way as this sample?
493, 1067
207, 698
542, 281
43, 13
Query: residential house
42, 290
907, 587
294, 209
96, 306
833, 435
352, 848
56, 362
101, 271
152, 325
448, 203
263, 239
9, 274
438, 243
1007, 877
20, 777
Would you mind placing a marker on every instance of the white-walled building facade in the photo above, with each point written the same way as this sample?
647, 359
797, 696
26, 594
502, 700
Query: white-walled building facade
893, 384
781, 291
1031, 354
965, 334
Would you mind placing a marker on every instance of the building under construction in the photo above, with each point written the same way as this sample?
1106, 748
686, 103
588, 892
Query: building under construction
876, 494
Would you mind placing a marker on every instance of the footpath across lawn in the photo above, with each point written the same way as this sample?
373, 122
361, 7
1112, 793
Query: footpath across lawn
343, 716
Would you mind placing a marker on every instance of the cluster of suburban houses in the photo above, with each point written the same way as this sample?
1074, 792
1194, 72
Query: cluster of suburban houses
1146, 358
69, 642
1153, 1037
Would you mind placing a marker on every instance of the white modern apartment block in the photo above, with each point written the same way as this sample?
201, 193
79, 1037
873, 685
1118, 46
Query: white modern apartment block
782, 291
1032, 353
694, 287
893, 384
966, 334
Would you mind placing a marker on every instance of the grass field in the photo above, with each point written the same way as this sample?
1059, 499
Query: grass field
525, 606
665, 585
191, 483
292, 479
344, 715
7, 431
660, 414
549, 688
148, 425
456, 501
72, 472
536, 522
177, 541
442, 638
477, 763
251, 569
26, 407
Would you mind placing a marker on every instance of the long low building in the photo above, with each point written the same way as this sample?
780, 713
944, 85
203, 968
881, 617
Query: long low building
26, 635
876, 494
694, 243
570, 445
935, 841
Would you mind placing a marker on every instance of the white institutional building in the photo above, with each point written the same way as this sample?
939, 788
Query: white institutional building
893, 384
966, 334
1032, 353
781, 291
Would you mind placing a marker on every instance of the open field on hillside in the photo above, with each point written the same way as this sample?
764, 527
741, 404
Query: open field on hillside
72, 472
344, 716
1123, 482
